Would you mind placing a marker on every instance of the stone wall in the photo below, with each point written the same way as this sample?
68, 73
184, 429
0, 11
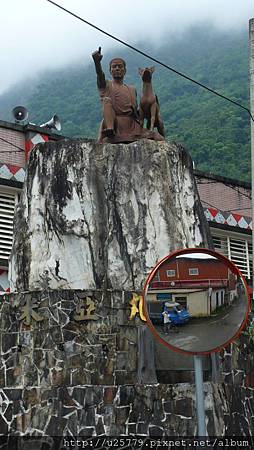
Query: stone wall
65, 337
59, 338
74, 363
151, 410
237, 359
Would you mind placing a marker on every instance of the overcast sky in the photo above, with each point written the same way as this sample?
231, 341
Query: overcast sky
35, 35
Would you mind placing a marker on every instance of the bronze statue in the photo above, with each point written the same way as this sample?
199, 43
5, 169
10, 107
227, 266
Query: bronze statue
149, 108
119, 103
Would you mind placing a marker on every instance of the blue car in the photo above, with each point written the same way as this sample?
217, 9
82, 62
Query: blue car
177, 314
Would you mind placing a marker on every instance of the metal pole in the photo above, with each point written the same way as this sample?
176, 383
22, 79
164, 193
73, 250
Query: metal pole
200, 404
251, 40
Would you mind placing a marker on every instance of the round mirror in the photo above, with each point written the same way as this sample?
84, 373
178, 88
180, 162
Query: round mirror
196, 301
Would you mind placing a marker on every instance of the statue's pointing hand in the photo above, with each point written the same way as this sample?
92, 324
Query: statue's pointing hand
97, 56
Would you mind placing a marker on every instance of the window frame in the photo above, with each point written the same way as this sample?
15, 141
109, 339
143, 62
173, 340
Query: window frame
172, 274
193, 274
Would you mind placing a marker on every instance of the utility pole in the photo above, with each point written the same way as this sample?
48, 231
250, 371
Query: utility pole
251, 40
200, 402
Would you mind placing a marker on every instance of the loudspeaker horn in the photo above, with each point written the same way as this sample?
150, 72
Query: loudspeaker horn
53, 123
20, 113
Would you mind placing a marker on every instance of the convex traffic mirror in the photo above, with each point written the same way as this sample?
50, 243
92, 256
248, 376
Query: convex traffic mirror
196, 301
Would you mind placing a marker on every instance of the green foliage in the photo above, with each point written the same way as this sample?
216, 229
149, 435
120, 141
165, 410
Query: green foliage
216, 132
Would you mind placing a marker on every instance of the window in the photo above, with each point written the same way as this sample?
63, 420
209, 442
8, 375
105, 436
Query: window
171, 273
182, 301
193, 271
236, 247
164, 296
7, 206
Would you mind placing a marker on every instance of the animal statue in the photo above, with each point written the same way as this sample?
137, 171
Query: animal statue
149, 108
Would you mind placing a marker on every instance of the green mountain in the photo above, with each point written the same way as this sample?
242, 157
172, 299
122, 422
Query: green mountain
216, 132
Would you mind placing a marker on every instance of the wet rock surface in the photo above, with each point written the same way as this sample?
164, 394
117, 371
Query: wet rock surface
95, 216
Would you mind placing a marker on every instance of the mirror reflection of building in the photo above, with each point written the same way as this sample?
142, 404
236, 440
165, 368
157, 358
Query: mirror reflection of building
190, 281
204, 297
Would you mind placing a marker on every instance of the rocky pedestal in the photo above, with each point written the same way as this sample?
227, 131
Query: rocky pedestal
100, 216
77, 358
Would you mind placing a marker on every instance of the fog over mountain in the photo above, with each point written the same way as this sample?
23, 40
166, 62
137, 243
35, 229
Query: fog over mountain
216, 132
36, 35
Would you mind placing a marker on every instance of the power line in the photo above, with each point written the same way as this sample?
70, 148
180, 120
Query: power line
237, 209
208, 182
240, 193
223, 210
13, 145
235, 188
150, 57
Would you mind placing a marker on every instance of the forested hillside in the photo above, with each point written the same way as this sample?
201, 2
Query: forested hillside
216, 132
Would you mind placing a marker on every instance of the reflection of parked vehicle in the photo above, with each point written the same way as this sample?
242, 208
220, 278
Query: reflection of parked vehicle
177, 314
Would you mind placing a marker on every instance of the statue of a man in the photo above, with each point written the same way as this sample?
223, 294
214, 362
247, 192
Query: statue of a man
119, 103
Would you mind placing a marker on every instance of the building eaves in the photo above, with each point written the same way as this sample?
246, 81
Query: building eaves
31, 127
219, 178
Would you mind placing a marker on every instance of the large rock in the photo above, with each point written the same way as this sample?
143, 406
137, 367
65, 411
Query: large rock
100, 216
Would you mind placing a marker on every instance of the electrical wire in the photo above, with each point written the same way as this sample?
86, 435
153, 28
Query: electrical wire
208, 182
13, 145
222, 210
248, 196
210, 205
150, 57
240, 193
237, 209
228, 185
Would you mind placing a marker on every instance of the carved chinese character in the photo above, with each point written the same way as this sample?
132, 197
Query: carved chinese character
84, 311
137, 307
28, 311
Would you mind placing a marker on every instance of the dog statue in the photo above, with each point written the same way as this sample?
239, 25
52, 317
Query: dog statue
149, 106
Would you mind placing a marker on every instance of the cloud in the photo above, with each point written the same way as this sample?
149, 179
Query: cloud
35, 35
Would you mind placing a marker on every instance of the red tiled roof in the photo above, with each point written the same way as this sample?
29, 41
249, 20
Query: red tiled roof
224, 197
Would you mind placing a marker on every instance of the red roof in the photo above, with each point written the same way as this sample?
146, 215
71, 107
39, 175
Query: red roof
224, 196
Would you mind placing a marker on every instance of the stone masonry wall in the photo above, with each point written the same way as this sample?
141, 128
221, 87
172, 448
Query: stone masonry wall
62, 376
71, 338
151, 410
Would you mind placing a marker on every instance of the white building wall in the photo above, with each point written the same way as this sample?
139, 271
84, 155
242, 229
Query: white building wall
197, 303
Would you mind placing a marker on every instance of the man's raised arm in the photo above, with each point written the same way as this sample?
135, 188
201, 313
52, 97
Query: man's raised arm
97, 57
